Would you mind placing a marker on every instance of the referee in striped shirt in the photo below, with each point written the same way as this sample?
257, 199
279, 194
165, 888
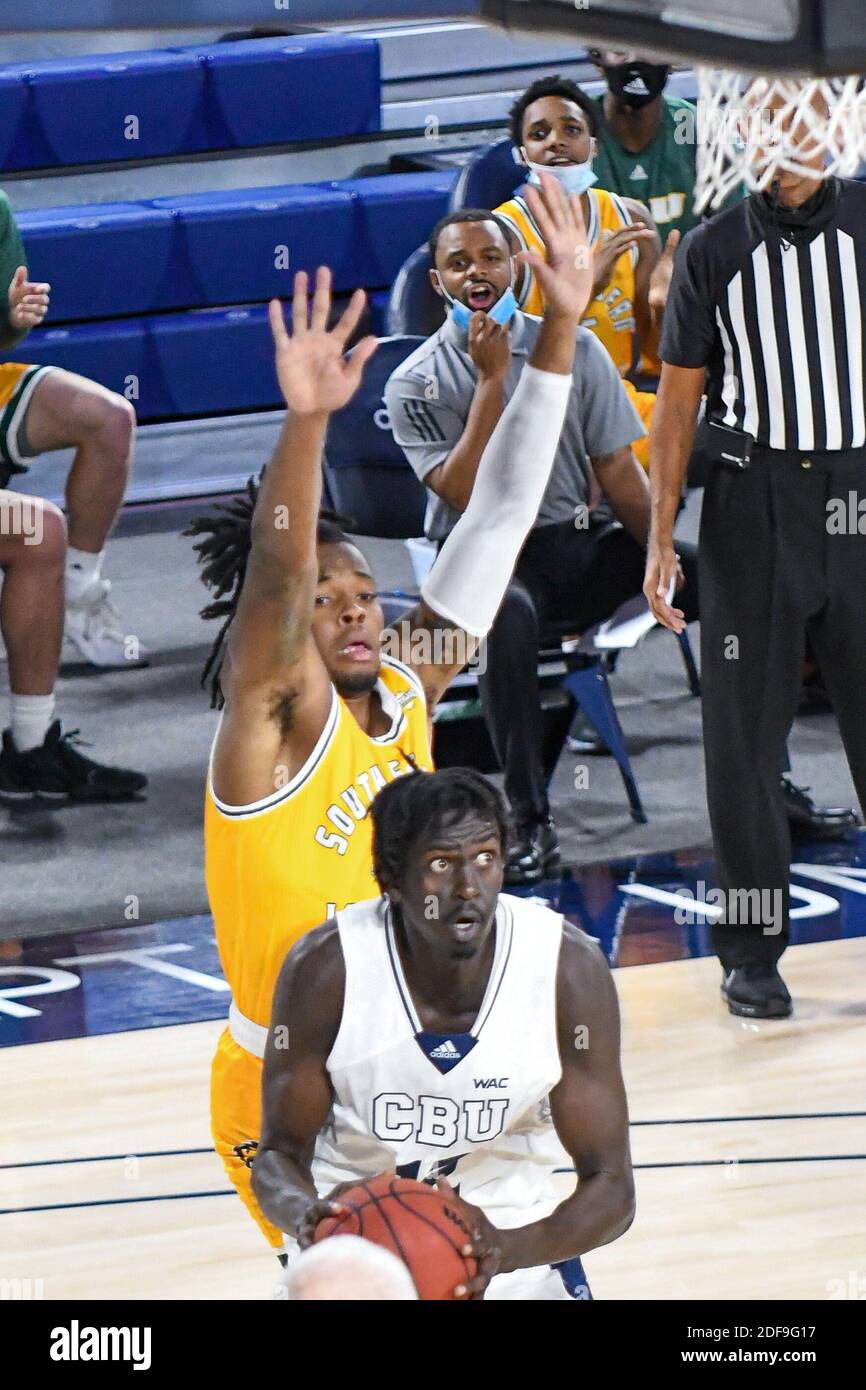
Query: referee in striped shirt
766, 315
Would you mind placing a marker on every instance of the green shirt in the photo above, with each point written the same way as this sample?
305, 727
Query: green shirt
11, 256
663, 175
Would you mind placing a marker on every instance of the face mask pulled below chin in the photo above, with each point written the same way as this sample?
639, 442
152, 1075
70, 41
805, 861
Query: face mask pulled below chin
575, 178
637, 84
502, 311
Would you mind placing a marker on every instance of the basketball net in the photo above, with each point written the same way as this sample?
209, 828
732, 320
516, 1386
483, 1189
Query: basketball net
749, 128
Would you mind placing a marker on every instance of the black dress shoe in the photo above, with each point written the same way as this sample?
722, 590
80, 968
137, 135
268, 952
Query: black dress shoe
811, 822
534, 852
756, 991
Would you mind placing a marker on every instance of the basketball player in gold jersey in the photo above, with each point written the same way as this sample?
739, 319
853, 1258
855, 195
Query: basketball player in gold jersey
553, 126
316, 720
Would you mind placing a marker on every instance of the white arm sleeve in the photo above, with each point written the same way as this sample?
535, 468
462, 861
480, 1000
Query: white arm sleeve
475, 565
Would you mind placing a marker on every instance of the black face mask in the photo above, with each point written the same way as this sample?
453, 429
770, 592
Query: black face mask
637, 84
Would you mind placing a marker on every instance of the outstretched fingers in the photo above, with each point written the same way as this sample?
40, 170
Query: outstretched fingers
350, 317
357, 360
321, 300
278, 323
300, 308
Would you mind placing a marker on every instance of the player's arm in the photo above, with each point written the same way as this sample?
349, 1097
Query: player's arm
490, 350
276, 687
690, 336
672, 437
296, 1088
624, 483
463, 591
589, 1112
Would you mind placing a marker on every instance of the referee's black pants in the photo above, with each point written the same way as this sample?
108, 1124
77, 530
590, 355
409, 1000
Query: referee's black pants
771, 571
565, 575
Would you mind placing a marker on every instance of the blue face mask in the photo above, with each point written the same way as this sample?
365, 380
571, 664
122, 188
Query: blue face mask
503, 310
575, 178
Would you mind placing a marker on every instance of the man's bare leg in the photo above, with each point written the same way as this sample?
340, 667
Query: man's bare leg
69, 411
37, 760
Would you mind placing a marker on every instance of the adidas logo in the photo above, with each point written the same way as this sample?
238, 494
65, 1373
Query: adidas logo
445, 1051
639, 172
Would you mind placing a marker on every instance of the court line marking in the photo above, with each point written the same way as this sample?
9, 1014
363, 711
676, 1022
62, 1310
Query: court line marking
634, 1124
230, 1191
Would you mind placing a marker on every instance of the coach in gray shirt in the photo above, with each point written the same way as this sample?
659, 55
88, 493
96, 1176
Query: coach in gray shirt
578, 564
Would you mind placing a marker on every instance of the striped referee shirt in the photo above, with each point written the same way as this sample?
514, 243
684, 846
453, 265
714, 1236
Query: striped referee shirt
774, 310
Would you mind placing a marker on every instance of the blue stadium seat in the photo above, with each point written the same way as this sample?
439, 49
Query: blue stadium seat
414, 306
13, 106
247, 243
112, 107
216, 360
119, 355
141, 105
104, 260
366, 473
393, 213
207, 362
241, 245
272, 91
489, 179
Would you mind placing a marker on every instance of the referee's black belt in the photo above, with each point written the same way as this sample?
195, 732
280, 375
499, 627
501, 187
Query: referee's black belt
812, 461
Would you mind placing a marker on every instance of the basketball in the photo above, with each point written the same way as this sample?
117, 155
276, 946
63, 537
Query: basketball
416, 1223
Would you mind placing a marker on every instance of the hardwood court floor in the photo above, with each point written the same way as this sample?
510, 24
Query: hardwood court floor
749, 1141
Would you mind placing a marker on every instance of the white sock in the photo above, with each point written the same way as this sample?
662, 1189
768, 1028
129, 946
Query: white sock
32, 716
82, 568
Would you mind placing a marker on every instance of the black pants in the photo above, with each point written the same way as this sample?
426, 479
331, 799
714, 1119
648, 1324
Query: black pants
771, 572
564, 576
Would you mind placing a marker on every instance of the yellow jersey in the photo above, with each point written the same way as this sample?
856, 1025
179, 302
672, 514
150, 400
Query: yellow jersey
287, 863
610, 316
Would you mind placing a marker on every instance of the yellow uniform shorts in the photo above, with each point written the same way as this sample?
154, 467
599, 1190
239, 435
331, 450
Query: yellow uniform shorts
236, 1119
18, 381
644, 404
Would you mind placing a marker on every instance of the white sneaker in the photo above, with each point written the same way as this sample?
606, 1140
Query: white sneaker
93, 630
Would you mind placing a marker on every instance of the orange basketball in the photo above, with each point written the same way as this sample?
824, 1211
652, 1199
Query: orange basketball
416, 1223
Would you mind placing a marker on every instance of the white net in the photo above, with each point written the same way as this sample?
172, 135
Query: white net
749, 129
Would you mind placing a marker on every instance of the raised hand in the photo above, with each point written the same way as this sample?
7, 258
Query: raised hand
489, 347
315, 377
28, 300
611, 247
565, 272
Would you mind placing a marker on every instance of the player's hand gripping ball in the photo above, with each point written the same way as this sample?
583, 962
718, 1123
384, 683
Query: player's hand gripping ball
416, 1223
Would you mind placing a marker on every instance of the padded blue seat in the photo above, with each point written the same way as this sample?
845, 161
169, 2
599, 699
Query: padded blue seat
115, 106
272, 91
119, 355
490, 177
414, 305
106, 259
228, 241
13, 106
139, 105
366, 472
216, 360
394, 212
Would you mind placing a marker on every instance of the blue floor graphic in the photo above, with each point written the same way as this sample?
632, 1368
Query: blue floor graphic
655, 907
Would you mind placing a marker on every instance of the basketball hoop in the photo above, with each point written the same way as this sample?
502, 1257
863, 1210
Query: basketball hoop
751, 128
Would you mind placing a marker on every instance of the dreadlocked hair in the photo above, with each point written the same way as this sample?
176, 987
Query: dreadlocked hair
223, 554
408, 809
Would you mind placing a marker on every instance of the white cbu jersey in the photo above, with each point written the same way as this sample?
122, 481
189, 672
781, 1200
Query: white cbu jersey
472, 1107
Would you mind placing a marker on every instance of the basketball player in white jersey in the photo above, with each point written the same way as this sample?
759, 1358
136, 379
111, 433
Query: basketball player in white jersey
441, 1029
